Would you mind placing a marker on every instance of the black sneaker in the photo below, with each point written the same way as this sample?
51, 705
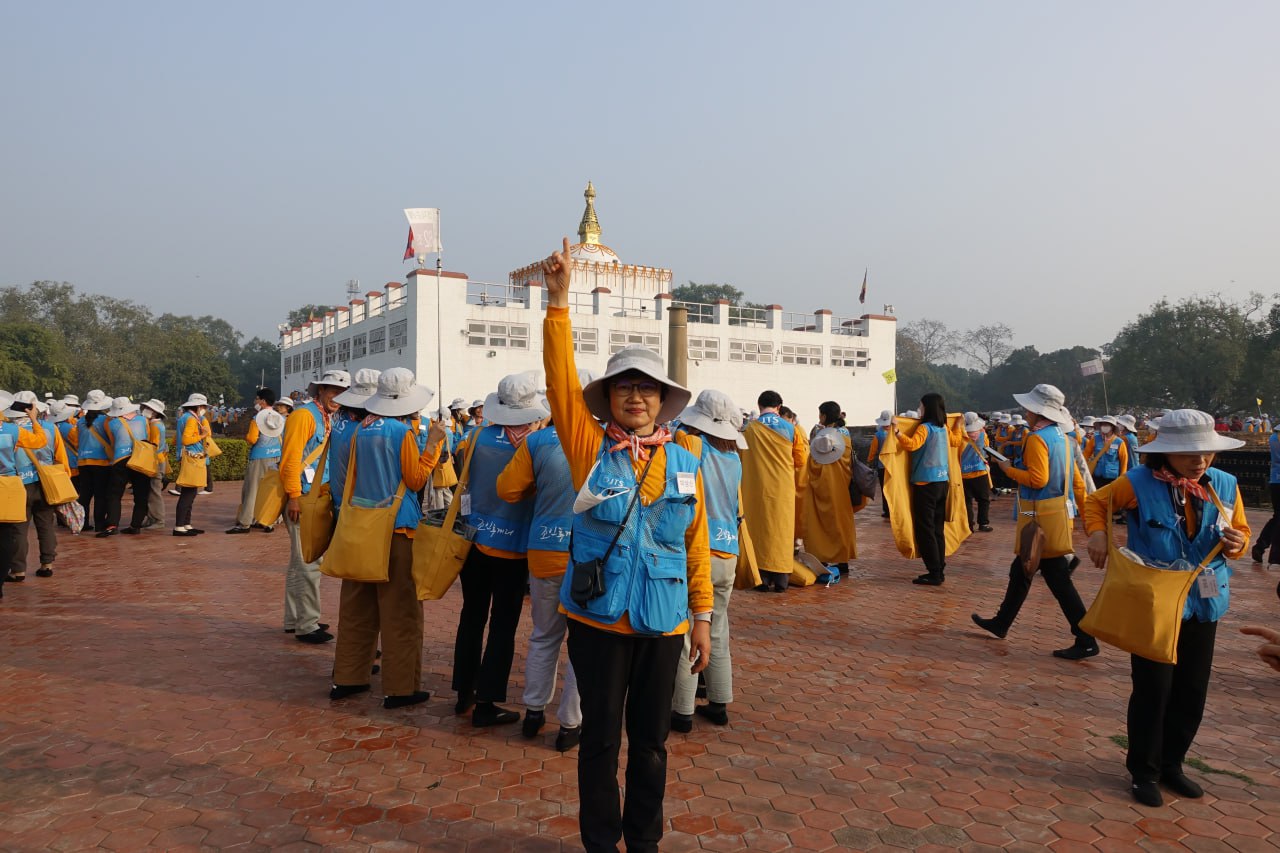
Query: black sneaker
928, 580
342, 691
533, 723
1177, 781
985, 528
1077, 652
682, 723
323, 626
1148, 794
103, 534
415, 698
131, 531
488, 714
715, 712
239, 529
315, 638
989, 625
44, 572
568, 738
16, 577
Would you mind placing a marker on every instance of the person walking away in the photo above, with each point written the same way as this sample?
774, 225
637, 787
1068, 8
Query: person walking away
1269, 538
631, 609
827, 526
125, 428
539, 470
496, 571
190, 434
769, 490
387, 455
26, 410
153, 411
16, 436
62, 416
873, 456
264, 455
930, 482
1047, 471
1181, 510
94, 456
305, 433
975, 472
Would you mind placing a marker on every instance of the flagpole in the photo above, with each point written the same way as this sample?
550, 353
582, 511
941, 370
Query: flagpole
1105, 401
439, 345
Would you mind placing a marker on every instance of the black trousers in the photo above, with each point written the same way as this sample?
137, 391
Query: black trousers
977, 489
95, 483
1270, 535
8, 548
117, 479
492, 591
1167, 703
140, 484
1057, 575
929, 515
884, 504
186, 500
632, 675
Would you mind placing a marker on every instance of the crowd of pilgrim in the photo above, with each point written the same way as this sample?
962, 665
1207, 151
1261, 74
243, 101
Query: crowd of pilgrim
625, 510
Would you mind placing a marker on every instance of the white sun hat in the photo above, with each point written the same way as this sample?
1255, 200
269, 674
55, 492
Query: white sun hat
1189, 431
286, 400
1047, 401
1018, 420
96, 401
973, 423
363, 386
270, 423
517, 402
715, 414
336, 378
886, 418
195, 401
1088, 421
1129, 422
645, 361
458, 404
120, 407
24, 397
1105, 419
154, 405
827, 446
398, 395
1153, 424
60, 412
71, 400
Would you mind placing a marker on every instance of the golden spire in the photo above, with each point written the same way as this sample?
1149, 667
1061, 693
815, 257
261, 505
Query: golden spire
589, 228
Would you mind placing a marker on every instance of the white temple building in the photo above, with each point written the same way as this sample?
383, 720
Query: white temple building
486, 331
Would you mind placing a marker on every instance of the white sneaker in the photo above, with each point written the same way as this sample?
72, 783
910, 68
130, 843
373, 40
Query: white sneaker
204, 492
175, 492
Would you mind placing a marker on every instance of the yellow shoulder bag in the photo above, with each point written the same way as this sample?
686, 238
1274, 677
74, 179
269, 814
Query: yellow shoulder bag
1044, 527
315, 525
361, 544
271, 498
144, 458
439, 552
1138, 607
55, 482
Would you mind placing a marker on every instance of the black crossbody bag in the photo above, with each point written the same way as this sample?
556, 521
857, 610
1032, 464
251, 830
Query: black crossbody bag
588, 578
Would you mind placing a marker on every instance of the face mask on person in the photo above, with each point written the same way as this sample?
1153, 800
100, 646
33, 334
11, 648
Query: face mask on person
1105, 429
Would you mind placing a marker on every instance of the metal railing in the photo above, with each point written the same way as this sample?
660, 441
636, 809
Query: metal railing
743, 316
794, 321
500, 295
632, 306
699, 312
847, 326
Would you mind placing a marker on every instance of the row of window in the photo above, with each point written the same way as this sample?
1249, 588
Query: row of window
586, 341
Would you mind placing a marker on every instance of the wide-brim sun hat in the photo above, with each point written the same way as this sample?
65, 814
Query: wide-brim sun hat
195, 401
71, 400
120, 407
96, 401
363, 386
716, 415
284, 401
886, 418
646, 362
1189, 431
270, 423
1047, 401
458, 404
1088, 421
398, 395
1129, 422
973, 423
154, 405
335, 378
1105, 419
827, 446
60, 412
517, 402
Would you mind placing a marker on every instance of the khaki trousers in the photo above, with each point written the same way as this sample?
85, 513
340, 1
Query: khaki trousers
301, 587
392, 609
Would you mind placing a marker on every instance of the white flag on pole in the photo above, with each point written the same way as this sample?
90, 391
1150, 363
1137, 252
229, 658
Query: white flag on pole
424, 222
1091, 367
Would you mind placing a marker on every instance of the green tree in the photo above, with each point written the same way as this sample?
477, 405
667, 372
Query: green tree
302, 314
32, 358
259, 363
707, 294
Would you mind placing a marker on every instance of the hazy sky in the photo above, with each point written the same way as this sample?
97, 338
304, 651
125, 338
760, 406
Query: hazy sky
1057, 166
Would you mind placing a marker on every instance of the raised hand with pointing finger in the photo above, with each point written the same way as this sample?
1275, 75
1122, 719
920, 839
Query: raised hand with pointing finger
555, 272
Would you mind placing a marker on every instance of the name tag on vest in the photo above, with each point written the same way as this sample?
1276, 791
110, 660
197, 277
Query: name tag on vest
685, 483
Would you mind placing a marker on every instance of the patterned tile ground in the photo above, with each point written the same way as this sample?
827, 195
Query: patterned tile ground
148, 700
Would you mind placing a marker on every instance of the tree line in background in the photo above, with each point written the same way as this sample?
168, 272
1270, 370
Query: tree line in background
54, 339
1204, 352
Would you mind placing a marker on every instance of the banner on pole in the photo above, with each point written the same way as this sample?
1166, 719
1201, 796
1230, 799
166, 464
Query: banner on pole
890, 376
424, 226
1091, 368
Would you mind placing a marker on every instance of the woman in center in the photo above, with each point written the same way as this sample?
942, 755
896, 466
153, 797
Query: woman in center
639, 573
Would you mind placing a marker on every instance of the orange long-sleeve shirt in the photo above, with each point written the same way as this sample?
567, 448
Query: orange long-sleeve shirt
581, 436
1122, 453
517, 483
416, 467
1035, 473
916, 440
1119, 495
298, 430
251, 437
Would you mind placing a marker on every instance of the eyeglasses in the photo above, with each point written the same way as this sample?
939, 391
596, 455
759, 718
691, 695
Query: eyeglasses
644, 389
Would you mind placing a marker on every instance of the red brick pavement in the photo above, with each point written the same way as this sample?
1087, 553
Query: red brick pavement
148, 700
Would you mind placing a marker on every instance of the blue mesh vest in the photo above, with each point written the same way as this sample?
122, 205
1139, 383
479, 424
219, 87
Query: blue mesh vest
929, 462
553, 503
1274, 444
1106, 461
27, 468
335, 469
73, 459
317, 439
1158, 531
1059, 456
778, 424
90, 446
1132, 441
183, 419
971, 461
646, 576
124, 431
721, 477
498, 524
9, 449
265, 447
378, 471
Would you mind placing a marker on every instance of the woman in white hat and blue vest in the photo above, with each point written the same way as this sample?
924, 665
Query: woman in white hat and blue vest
17, 435
639, 573
94, 456
125, 428
190, 434
27, 411
1174, 504
496, 573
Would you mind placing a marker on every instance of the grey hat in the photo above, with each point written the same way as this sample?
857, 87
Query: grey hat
827, 446
195, 401
458, 404
398, 395
1188, 431
1045, 400
643, 360
120, 407
886, 418
973, 423
364, 386
517, 401
336, 378
154, 405
715, 414
1129, 422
